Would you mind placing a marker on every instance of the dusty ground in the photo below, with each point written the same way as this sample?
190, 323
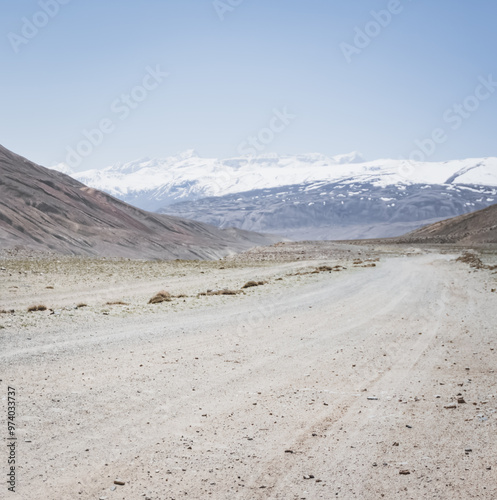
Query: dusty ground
313, 385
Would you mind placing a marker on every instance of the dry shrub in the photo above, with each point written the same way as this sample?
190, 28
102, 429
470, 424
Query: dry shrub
221, 292
326, 269
159, 297
39, 307
471, 259
253, 283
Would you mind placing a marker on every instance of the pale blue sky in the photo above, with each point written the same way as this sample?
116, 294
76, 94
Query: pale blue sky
226, 77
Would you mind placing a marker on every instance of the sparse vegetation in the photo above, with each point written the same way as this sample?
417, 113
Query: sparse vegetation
253, 283
470, 258
117, 303
39, 307
81, 304
322, 269
474, 261
220, 292
159, 297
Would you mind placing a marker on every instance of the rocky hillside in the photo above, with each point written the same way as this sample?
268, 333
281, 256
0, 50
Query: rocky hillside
44, 209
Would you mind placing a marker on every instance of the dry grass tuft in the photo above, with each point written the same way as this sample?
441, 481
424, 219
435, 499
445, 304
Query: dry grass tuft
220, 292
471, 259
253, 283
117, 303
159, 297
474, 261
39, 307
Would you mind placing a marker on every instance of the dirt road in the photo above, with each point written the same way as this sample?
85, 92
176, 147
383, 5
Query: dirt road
318, 386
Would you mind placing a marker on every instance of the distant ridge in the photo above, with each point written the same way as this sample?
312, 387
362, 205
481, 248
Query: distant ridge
476, 228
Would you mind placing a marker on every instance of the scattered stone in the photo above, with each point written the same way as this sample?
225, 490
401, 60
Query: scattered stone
119, 482
451, 406
468, 450
404, 472
395, 444
310, 476
372, 398
409, 426
288, 451
461, 400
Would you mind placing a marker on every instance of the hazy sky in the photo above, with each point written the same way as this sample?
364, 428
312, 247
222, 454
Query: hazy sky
299, 76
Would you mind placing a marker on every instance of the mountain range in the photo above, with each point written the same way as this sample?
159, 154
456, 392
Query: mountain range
305, 196
44, 209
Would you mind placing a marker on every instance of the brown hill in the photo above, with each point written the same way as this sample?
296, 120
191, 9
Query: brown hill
476, 228
47, 210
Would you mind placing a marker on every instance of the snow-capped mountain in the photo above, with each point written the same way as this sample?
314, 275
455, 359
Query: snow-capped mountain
154, 183
310, 195
337, 210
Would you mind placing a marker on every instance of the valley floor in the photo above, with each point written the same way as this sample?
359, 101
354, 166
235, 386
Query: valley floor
324, 384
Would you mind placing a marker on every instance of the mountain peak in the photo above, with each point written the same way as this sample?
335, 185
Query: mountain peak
353, 157
185, 155
63, 168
